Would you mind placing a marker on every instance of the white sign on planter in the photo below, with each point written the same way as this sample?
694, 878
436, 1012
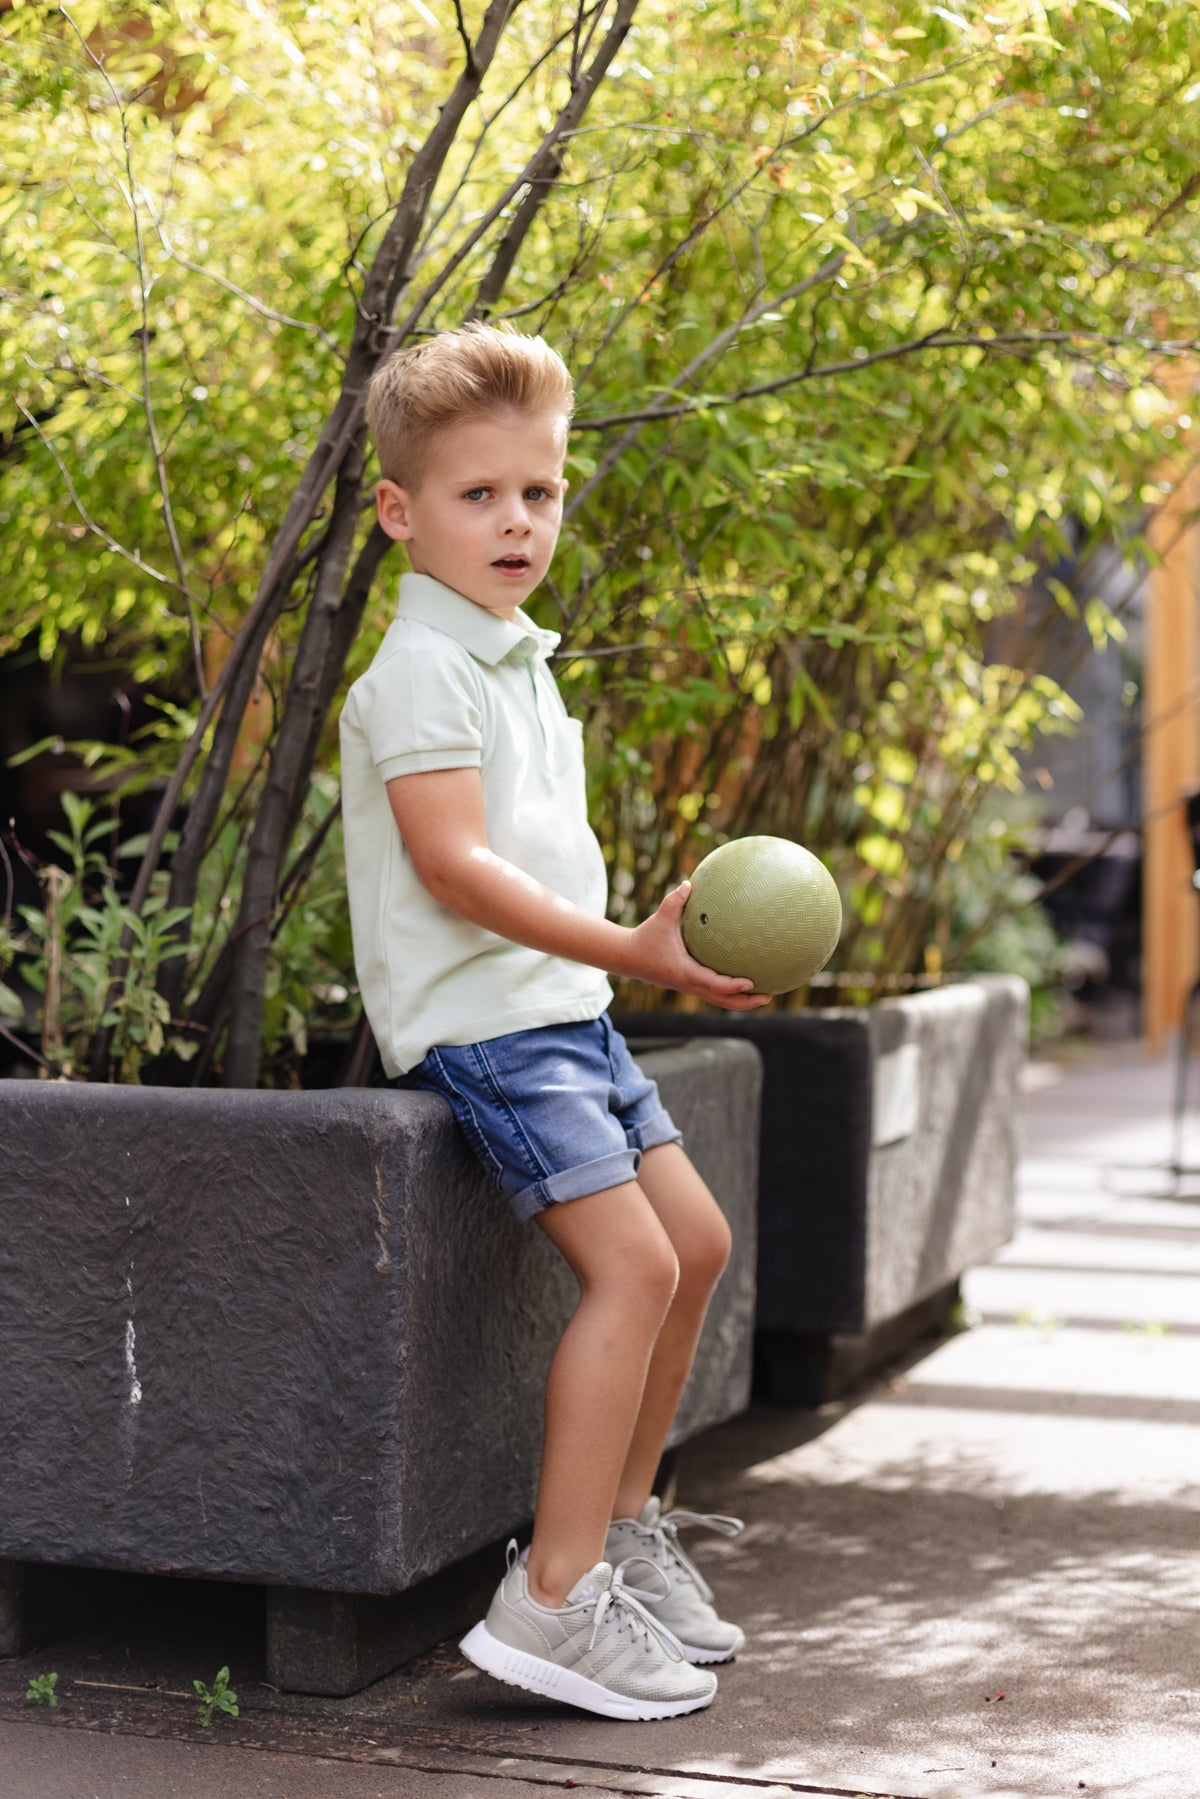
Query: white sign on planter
896, 1103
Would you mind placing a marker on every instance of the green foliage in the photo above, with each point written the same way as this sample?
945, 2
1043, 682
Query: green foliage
1017, 936
71, 952
229, 165
220, 1698
41, 1690
887, 286
71, 956
311, 987
814, 582
996, 926
11, 1006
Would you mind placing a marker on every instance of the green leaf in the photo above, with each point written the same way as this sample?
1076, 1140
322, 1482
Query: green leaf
43, 746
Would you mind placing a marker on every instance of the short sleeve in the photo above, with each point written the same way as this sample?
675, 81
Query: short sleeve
419, 710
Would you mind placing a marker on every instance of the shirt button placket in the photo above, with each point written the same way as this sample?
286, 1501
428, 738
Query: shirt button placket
531, 665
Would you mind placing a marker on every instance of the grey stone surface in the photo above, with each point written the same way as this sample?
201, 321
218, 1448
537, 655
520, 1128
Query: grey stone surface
716, 1101
41, 1761
943, 1196
295, 1337
887, 1158
808, 1367
337, 1643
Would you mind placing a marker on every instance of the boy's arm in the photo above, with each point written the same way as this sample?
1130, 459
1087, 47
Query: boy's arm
441, 819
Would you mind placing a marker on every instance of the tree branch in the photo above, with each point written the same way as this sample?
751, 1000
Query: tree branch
636, 421
106, 537
1012, 341
547, 165
231, 287
147, 400
366, 349
535, 164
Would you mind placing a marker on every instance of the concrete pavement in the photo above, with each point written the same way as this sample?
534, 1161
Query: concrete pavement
980, 1577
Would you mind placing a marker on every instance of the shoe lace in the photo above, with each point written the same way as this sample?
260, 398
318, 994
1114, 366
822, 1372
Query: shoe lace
628, 1603
669, 1549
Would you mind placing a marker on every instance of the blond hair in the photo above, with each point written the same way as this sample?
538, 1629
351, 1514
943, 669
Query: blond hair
467, 373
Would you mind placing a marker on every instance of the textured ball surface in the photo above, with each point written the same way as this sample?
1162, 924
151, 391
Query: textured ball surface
766, 908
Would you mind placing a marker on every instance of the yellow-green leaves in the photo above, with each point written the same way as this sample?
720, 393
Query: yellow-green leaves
882, 285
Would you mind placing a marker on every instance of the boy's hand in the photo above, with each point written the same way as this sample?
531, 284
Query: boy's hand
661, 956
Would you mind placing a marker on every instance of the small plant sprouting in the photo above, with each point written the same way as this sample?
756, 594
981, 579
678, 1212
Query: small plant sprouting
40, 1690
961, 1318
222, 1698
1031, 1318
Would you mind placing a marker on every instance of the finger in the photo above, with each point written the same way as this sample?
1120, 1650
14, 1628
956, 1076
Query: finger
676, 900
732, 983
724, 995
744, 992
715, 983
740, 995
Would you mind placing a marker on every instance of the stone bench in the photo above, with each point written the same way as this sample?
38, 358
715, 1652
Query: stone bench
887, 1167
296, 1339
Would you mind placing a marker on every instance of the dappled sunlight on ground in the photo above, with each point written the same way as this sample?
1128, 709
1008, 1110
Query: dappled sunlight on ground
984, 1577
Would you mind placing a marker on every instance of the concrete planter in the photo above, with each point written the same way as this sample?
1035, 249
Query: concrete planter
887, 1167
295, 1339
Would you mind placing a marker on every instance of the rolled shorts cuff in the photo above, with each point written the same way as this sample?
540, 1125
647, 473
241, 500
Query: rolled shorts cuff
594, 1177
661, 1128
576, 1183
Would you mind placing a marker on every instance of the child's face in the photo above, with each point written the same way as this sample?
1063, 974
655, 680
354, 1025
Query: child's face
486, 516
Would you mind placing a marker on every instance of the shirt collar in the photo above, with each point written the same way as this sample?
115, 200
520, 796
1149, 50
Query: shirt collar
487, 636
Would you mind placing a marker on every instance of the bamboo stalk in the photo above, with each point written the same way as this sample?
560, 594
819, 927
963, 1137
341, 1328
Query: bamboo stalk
55, 883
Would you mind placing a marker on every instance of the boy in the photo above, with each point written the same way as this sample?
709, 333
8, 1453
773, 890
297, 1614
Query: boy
481, 943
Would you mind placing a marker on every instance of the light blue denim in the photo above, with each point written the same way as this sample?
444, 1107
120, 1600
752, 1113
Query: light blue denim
553, 1114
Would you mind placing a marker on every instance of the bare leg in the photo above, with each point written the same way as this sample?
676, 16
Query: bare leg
696, 1227
627, 1270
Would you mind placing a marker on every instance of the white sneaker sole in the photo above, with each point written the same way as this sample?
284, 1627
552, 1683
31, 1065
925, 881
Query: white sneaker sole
701, 1657
536, 1675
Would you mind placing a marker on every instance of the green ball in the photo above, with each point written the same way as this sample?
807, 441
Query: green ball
766, 908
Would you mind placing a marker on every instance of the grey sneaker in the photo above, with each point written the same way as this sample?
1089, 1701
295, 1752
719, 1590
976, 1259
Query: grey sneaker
687, 1610
601, 1649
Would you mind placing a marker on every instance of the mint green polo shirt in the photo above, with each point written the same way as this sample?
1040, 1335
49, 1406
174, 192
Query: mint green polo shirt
453, 685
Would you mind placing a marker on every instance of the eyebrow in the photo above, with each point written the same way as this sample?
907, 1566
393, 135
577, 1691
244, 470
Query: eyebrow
491, 480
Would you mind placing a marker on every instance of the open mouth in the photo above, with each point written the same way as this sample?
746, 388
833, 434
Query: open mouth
512, 565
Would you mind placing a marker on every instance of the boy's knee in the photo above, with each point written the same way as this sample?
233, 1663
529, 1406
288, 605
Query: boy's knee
661, 1272
652, 1273
705, 1253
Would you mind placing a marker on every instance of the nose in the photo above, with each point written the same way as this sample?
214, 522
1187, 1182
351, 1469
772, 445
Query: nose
517, 522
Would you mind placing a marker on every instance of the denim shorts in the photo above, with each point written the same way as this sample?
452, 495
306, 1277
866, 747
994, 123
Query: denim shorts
552, 1114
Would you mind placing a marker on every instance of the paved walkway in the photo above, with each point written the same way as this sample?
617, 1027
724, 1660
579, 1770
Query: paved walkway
980, 1578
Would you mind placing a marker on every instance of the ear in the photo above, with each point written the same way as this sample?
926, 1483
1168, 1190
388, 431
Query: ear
393, 509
